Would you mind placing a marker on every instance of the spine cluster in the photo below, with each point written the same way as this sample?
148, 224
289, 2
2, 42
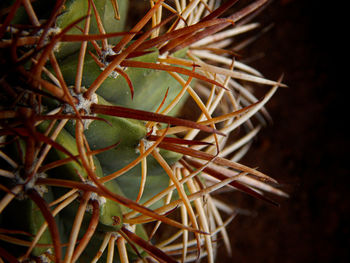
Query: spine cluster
120, 163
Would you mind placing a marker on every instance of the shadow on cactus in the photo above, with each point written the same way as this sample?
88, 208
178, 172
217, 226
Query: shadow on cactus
95, 158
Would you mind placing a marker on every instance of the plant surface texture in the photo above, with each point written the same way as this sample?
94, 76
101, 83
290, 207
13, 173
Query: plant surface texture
121, 123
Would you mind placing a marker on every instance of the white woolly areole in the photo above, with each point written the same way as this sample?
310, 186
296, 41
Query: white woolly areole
105, 53
147, 144
84, 104
108, 52
113, 74
50, 34
44, 258
100, 199
41, 189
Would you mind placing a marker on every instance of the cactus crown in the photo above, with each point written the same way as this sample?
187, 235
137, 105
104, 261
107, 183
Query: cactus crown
94, 158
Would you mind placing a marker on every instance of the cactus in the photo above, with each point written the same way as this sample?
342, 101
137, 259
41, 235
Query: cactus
95, 156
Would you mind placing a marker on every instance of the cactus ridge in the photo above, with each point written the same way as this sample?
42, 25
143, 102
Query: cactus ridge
95, 158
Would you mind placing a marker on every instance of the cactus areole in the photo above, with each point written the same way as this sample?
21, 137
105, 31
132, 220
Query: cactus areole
95, 158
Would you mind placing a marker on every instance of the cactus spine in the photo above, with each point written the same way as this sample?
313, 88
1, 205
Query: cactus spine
93, 158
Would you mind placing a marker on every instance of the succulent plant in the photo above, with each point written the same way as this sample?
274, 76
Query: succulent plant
97, 164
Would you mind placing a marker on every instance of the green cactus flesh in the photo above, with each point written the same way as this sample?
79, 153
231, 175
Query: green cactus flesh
74, 10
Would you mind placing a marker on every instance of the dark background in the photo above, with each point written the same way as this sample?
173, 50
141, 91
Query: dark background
305, 148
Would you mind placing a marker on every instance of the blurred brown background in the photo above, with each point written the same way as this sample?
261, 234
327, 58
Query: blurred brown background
305, 148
